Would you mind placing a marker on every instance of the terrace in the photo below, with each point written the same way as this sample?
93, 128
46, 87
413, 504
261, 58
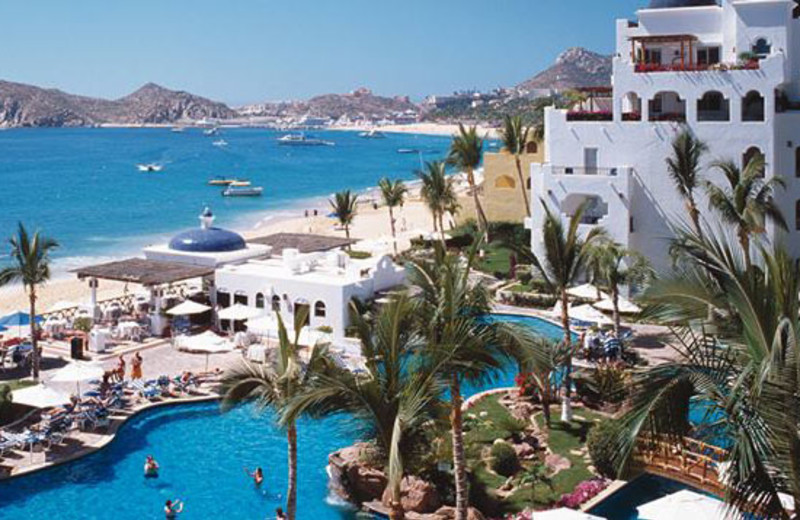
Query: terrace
683, 53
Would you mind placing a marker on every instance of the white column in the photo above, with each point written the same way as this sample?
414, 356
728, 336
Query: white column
93, 283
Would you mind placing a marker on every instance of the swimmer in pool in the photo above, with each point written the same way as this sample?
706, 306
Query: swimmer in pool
150, 467
257, 475
173, 508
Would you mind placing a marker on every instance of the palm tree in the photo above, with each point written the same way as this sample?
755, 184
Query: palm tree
748, 202
30, 257
748, 374
614, 266
465, 154
516, 136
564, 261
393, 398
275, 385
540, 362
438, 192
459, 341
393, 194
683, 168
345, 207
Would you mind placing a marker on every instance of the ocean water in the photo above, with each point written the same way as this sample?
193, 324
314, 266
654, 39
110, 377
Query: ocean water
82, 187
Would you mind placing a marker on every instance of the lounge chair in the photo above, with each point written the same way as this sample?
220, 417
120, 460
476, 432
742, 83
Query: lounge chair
147, 390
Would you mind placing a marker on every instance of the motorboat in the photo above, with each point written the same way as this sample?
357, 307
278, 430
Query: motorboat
178, 129
222, 181
150, 167
220, 143
244, 191
211, 131
372, 134
302, 140
240, 183
407, 150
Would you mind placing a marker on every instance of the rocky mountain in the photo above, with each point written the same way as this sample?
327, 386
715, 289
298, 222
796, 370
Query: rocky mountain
361, 102
575, 67
27, 105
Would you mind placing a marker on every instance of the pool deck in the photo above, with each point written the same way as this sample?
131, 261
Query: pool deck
158, 360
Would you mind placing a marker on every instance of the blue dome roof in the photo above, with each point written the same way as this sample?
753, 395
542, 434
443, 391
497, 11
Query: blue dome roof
665, 4
209, 240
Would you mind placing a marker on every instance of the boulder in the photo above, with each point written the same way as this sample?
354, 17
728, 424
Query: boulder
524, 451
556, 463
352, 479
417, 496
449, 513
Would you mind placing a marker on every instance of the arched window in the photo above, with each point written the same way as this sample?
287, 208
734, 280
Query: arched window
797, 162
631, 107
667, 106
505, 181
762, 48
319, 309
532, 147
260, 300
797, 215
223, 299
240, 297
713, 107
753, 106
749, 155
276, 303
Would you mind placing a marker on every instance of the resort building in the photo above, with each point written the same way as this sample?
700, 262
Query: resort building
322, 283
502, 198
728, 71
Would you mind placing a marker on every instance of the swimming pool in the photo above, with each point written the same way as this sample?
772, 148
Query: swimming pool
622, 504
202, 454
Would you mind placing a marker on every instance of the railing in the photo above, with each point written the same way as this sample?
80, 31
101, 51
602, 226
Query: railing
685, 459
661, 67
602, 115
585, 170
678, 117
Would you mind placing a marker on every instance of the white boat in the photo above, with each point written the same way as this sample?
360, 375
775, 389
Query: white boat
302, 140
150, 167
407, 150
211, 131
244, 191
220, 142
372, 134
178, 129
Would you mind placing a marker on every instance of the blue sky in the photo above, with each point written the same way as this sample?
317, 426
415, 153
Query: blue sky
241, 51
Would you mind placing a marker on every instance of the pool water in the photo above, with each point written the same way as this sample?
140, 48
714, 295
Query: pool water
622, 504
202, 454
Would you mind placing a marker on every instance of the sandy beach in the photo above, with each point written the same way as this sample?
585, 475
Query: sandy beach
422, 129
369, 224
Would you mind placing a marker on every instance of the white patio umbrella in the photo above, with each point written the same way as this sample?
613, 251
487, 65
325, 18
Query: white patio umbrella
589, 314
206, 343
682, 505
587, 291
78, 372
239, 312
564, 514
39, 396
625, 306
188, 308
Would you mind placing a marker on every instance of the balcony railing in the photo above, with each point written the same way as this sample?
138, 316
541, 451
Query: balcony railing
678, 117
585, 170
603, 115
678, 67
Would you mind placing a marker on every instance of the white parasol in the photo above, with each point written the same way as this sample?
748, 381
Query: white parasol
188, 308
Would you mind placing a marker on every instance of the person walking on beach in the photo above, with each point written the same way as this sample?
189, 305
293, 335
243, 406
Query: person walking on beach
136, 366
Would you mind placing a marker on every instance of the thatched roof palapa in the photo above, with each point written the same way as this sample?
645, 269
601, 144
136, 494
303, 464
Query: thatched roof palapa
305, 243
144, 272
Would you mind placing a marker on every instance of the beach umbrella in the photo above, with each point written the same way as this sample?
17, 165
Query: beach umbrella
625, 306
587, 291
39, 396
188, 308
589, 314
564, 514
682, 505
206, 343
18, 319
78, 372
239, 312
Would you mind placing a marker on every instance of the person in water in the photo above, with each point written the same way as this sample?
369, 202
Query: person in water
173, 508
279, 514
257, 475
150, 467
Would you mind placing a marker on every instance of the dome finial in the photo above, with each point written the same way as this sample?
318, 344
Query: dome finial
206, 218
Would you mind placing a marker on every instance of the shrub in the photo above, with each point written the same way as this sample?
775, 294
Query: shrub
5, 403
606, 384
504, 459
602, 444
325, 329
82, 324
359, 255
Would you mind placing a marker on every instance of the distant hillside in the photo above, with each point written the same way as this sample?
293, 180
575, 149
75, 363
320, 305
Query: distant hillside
575, 67
360, 103
27, 105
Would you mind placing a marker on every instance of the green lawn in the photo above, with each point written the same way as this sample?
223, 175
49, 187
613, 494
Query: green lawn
16, 384
497, 259
498, 423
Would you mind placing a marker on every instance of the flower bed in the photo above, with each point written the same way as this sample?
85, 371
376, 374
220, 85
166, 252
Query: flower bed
659, 67
585, 491
602, 115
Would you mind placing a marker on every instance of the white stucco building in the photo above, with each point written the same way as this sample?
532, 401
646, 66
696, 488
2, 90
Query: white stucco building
324, 283
681, 63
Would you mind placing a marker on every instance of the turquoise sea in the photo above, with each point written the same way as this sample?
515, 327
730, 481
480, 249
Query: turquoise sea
82, 187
